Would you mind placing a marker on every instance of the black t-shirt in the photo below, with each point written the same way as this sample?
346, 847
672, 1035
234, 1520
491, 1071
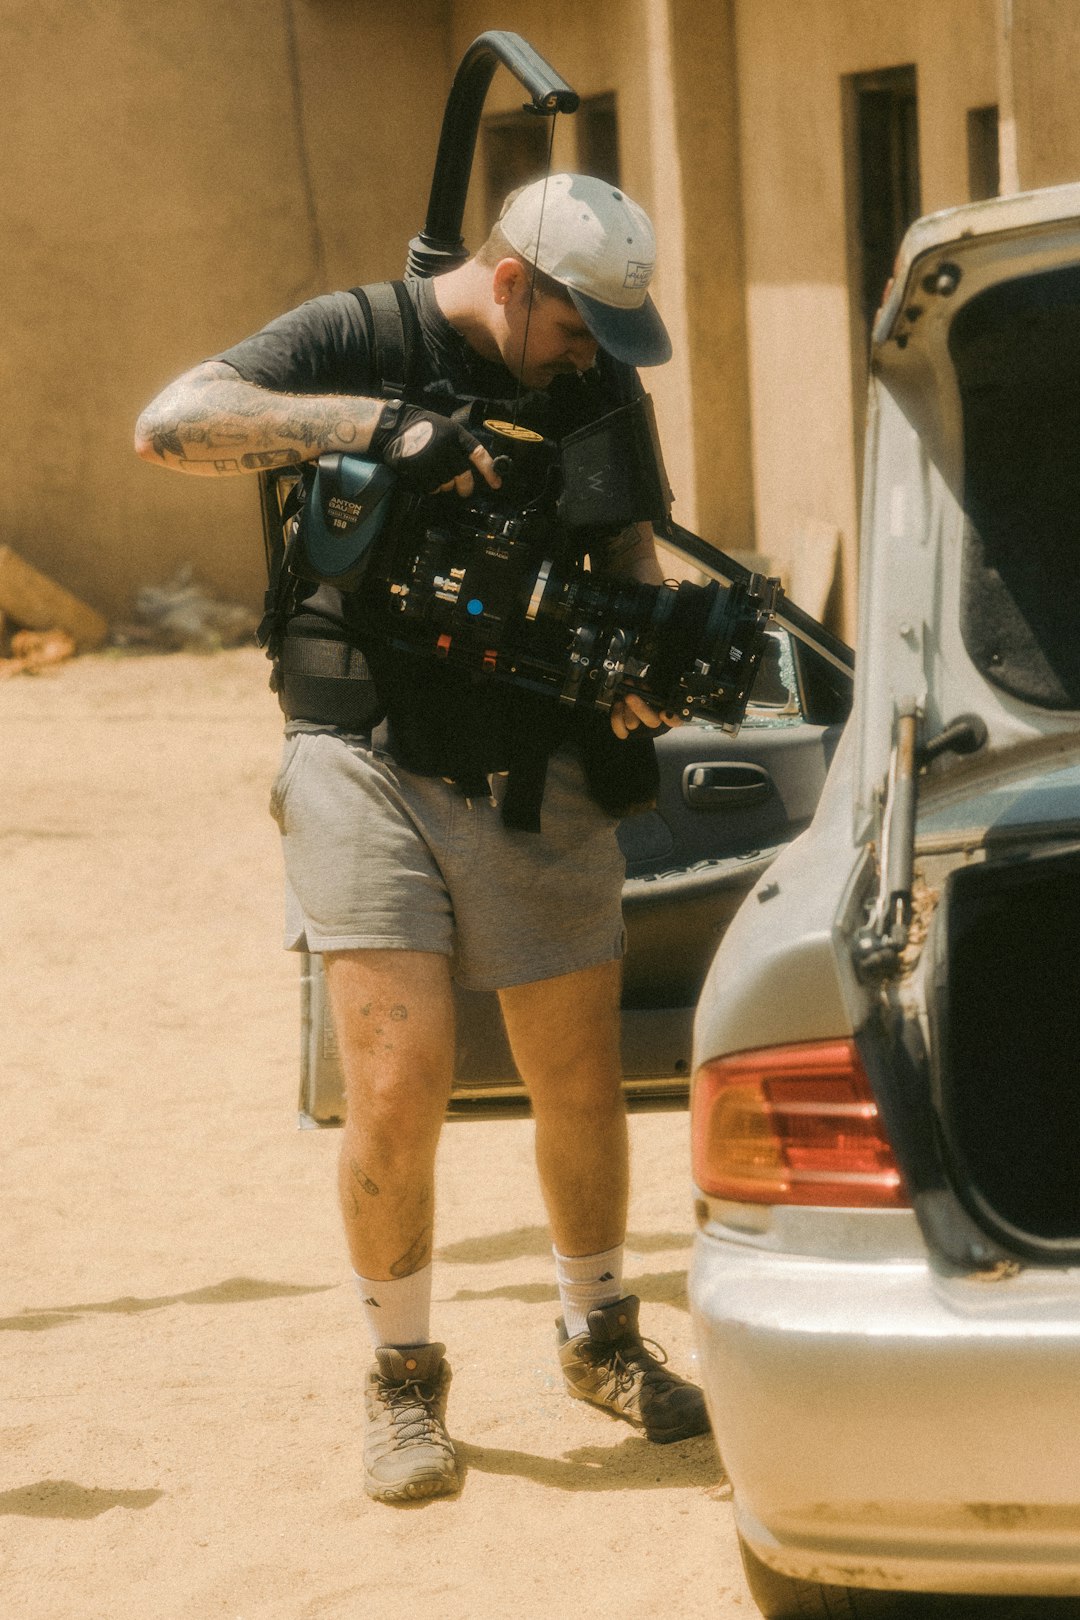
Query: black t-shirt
443, 721
322, 347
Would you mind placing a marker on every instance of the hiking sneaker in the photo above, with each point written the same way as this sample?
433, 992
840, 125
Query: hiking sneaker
407, 1452
611, 1366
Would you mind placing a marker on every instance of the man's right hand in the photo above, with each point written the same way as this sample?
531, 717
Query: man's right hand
433, 453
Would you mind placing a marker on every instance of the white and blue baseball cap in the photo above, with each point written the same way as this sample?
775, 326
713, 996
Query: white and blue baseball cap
588, 235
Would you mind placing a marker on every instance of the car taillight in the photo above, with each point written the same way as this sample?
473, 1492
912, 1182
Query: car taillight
792, 1125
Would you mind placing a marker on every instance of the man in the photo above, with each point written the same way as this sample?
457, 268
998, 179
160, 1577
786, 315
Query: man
473, 833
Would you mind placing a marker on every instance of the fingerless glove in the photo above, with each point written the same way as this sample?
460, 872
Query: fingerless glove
424, 448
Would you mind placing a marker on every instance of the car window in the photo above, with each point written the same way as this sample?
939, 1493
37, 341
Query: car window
774, 697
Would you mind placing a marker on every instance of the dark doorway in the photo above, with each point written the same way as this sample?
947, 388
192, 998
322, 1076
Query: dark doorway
515, 147
984, 171
883, 164
598, 137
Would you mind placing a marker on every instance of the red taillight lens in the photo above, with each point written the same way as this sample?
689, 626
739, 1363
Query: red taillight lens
792, 1125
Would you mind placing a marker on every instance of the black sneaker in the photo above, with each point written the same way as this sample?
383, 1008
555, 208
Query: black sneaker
408, 1454
611, 1366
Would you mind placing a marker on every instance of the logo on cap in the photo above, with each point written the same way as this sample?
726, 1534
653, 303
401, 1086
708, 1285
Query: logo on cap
637, 274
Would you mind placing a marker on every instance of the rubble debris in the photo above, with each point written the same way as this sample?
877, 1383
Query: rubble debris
924, 902
35, 650
182, 615
31, 599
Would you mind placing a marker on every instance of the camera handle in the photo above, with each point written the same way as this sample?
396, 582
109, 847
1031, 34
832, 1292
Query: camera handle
439, 245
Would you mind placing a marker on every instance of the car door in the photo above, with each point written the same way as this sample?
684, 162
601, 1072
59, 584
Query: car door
726, 806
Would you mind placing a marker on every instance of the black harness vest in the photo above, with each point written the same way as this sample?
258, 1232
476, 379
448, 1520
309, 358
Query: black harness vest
331, 667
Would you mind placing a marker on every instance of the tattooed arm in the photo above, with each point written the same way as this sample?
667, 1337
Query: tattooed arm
211, 421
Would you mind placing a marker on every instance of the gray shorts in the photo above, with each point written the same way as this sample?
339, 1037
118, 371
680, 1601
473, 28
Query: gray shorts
377, 858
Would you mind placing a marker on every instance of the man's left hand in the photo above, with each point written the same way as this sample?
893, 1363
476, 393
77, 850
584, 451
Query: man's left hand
630, 712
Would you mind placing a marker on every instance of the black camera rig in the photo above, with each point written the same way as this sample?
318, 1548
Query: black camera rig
499, 583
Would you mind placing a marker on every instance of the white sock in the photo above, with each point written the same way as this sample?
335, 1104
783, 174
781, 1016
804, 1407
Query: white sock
397, 1312
586, 1281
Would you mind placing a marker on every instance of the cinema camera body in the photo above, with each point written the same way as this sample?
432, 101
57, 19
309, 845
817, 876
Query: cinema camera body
498, 583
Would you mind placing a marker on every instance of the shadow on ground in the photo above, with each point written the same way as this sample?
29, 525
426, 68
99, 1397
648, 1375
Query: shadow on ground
64, 1499
632, 1465
526, 1240
233, 1291
654, 1288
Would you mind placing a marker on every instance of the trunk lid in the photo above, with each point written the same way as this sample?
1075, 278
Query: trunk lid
970, 607
971, 537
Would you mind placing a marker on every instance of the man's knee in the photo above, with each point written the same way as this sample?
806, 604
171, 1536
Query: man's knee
397, 1109
575, 1093
393, 1018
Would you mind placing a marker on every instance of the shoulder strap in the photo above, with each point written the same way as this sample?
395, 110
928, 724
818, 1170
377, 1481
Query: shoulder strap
276, 514
394, 333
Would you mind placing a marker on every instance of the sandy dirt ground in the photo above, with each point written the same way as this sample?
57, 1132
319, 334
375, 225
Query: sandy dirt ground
181, 1355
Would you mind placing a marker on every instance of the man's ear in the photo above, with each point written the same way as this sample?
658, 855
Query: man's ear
507, 280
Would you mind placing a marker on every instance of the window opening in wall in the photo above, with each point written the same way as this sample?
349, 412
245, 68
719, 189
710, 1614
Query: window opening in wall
984, 172
597, 125
881, 167
883, 157
515, 148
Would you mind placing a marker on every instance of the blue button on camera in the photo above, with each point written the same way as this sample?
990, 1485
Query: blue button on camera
474, 606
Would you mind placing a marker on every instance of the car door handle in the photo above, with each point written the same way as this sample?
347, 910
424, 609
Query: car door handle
732, 786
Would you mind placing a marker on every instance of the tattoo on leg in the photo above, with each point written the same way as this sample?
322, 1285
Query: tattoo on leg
416, 1255
355, 1203
363, 1180
399, 1012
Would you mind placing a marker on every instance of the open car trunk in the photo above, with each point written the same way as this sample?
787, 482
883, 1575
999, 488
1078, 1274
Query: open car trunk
1005, 1014
973, 558
1005, 998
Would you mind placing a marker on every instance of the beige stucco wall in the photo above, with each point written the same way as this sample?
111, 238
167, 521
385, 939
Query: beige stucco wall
791, 56
172, 179
1039, 56
155, 209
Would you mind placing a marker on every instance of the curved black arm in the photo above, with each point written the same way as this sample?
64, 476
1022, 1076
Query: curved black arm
719, 566
439, 245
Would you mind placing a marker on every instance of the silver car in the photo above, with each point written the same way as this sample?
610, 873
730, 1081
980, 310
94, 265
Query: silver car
886, 1094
